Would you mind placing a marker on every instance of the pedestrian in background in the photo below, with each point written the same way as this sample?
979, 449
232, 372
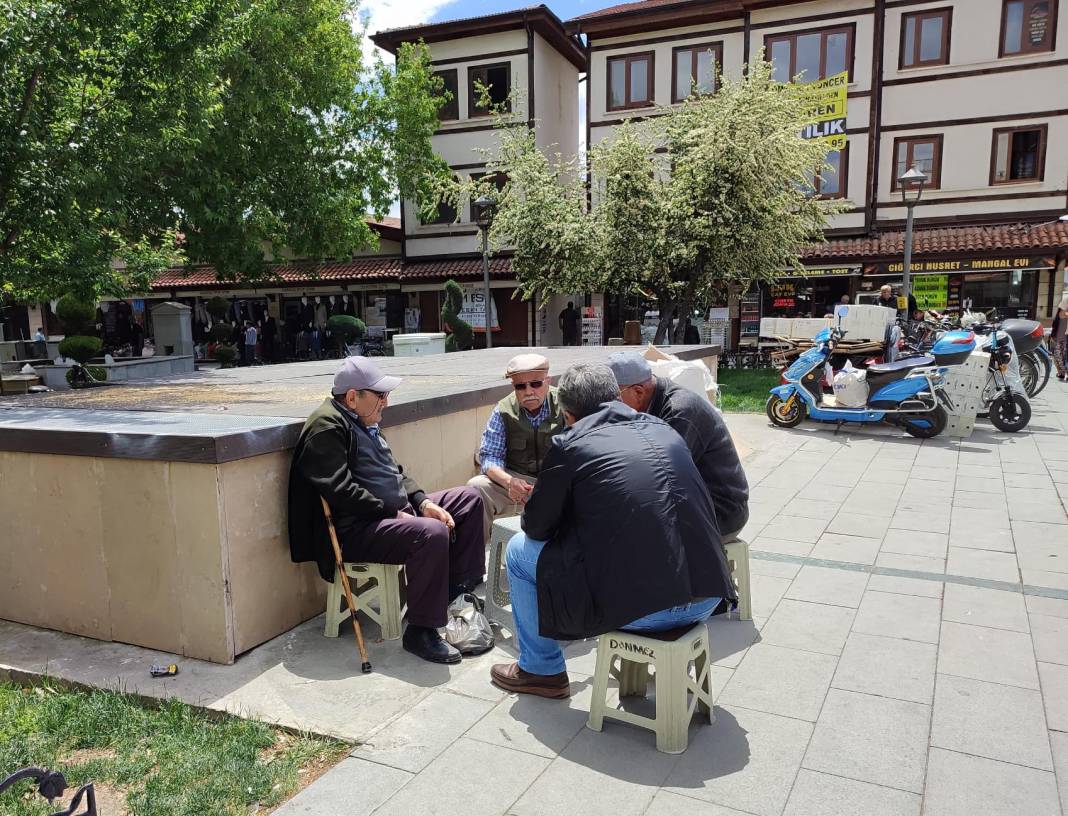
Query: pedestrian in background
1058, 339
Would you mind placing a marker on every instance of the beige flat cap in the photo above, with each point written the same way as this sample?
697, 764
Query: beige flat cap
522, 363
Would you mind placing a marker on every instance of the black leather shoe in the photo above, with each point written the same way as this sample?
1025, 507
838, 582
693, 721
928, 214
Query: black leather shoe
426, 643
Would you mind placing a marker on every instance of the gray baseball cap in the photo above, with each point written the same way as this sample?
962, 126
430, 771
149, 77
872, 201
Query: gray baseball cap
629, 367
363, 375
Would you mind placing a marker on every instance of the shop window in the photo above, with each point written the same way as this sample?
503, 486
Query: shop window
1013, 294
451, 107
497, 179
630, 81
694, 68
1019, 154
922, 152
498, 81
813, 55
1028, 26
925, 38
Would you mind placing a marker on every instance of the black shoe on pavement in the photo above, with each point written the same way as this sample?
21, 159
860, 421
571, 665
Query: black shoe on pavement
424, 642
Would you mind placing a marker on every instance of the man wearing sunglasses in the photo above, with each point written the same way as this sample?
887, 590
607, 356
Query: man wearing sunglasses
517, 437
382, 516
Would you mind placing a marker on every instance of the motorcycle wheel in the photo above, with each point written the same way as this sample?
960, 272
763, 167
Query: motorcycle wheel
1029, 375
782, 415
1010, 413
937, 420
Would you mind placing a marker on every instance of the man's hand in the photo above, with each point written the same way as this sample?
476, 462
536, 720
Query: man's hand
430, 510
519, 490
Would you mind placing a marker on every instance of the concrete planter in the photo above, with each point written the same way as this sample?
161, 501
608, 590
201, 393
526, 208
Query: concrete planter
145, 368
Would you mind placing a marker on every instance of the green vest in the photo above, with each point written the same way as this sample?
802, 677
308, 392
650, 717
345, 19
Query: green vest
526, 445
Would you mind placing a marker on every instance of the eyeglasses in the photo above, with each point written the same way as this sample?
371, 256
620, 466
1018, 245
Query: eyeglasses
379, 394
535, 384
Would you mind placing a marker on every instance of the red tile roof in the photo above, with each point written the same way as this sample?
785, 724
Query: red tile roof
623, 8
375, 269
945, 240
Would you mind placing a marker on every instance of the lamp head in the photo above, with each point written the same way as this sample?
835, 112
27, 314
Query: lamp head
484, 210
912, 179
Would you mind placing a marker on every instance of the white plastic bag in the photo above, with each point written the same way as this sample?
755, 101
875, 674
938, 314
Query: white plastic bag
468, 629
692, 375
850, 387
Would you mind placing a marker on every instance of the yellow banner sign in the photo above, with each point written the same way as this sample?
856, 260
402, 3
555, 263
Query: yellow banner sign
827, 110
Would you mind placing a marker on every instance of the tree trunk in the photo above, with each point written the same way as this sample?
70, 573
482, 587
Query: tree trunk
667, 310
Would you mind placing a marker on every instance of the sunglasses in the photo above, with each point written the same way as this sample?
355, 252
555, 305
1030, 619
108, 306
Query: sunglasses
379, 394
532, 384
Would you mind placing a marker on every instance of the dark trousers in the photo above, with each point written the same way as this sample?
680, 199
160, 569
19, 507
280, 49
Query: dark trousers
431, 562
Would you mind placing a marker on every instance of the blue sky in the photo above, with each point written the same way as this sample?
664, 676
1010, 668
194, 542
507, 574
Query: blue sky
564, 9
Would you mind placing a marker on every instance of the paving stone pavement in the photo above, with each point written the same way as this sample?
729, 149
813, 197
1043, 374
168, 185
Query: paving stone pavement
908, 655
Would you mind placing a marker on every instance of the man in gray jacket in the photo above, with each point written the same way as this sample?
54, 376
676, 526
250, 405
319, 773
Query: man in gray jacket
702, 428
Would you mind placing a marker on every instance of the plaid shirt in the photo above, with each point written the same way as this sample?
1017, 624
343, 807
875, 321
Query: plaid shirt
495, 441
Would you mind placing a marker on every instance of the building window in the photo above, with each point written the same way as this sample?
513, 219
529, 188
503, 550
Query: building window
450, 109
832, 183
630, 81
694, 67
1028, 26
446, 214
925, 38
1019, 154
922, 152
814, 55
498, 180
498, 80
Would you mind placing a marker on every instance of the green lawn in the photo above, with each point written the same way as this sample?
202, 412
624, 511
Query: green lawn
745, 390
165, 761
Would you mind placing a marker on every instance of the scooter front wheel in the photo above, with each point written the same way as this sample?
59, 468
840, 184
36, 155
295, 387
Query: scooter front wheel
786, 413
1010, 412
926, 426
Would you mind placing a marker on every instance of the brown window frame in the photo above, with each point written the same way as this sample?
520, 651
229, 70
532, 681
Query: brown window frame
451, 106
850, 30
499, 179
843, 178
1024, 50
934, 181
943, 54
717, 57
473, 110
629, 103
1041, 163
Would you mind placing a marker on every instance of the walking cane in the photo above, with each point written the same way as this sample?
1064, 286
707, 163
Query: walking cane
366, 667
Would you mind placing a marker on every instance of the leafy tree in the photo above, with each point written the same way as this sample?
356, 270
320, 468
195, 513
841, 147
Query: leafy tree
713, 192
461, 335
150, 131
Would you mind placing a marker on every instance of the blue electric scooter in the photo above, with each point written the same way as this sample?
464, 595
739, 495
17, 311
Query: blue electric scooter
909, 392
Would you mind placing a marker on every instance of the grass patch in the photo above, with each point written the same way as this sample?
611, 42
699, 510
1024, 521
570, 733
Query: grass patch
168, 761
745, 390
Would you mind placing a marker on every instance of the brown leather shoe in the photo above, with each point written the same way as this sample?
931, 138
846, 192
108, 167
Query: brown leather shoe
510, 677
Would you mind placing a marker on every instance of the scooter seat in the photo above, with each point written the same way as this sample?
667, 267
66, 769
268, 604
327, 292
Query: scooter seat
882, 373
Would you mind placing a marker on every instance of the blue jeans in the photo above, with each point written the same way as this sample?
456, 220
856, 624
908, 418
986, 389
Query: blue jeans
542, 655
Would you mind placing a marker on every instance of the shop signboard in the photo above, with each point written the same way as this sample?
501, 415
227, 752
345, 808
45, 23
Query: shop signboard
827, 110
966, 265
821, 272
931, 291
474, 308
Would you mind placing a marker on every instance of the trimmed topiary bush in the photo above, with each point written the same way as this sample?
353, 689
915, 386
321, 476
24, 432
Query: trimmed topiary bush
98, 373
225, 355
346, 329
461, 336
218, 307
77, 316
81, 348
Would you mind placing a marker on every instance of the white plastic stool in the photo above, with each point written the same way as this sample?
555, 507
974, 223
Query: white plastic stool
498, 599
677, 692
737, 552
369, 582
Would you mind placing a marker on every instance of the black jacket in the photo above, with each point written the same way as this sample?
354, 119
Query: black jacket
630, 526
709, 441
320, 467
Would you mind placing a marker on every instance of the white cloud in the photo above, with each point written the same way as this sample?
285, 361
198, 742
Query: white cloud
384, 14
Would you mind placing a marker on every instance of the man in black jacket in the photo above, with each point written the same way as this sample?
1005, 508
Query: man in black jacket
381, 515
700, 426
619, 532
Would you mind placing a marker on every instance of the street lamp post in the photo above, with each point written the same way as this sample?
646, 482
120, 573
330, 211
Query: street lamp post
910, 181
484, 212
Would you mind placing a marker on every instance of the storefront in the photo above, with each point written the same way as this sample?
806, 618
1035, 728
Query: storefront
1009, 287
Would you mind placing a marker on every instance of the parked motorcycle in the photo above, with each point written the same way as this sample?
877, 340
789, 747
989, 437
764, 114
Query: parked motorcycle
909, 392
1007, 408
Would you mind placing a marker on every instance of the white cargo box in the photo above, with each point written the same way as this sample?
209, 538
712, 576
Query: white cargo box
418, 344
862, 322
